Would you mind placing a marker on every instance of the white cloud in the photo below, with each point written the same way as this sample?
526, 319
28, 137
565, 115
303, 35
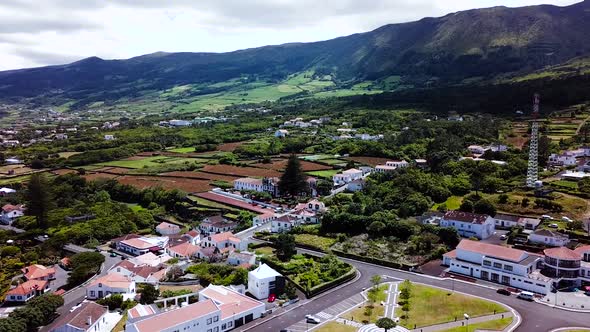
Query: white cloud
72, 29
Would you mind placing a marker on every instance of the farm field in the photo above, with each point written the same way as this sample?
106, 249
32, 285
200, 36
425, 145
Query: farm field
183, 150
316, 157
16, 170
67, 155
370, 161
186, 185
96, 176
63, 171
240, 171
517, 135
334, 162
327, 174
141, 162
114, 170
280, 164
200, 175
573, 207
229, 147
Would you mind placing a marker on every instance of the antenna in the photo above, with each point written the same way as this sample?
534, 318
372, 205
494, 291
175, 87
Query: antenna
533, 167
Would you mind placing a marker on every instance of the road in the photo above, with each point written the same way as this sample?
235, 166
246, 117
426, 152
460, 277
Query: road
536, 317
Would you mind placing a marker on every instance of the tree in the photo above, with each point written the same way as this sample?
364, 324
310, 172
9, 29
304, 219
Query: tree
483, 206
503, 199
149, 294
84, 265
290, 290
285, 246
174, 272
293, 181
575, 225
39, 198
385, 323
466, 206
584, 185
376, 280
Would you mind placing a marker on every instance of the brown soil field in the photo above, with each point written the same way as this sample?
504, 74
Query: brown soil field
17, 169
201, 175
229, 147
64, 171
371, 161
240, 171
96, 176
280, 164
186, 185
116, 170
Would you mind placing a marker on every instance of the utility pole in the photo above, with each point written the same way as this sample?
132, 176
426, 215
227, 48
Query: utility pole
532, 175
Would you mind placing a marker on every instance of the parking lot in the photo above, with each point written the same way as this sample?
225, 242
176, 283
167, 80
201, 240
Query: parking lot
328, 313
574, 300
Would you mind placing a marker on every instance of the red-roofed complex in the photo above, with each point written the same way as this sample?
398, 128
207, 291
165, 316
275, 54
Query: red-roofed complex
39, 272
185, 250
219, 309
88, 317
560, 267
166, 228
27, 290
468, 224
112, 283
226, 240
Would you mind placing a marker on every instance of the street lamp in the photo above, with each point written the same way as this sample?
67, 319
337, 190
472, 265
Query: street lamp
466, 322
452, 283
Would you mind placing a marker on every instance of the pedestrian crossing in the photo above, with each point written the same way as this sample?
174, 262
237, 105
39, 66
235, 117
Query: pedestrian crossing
323, 315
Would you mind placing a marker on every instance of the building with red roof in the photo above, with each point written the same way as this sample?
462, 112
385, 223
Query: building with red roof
27, 290
185, 250
216, 224
38, 272
166, 228
112, 283
11, 212
469, 224
89, 316
225, 240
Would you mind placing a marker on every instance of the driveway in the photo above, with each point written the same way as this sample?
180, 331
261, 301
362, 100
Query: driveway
61, 277
495, 238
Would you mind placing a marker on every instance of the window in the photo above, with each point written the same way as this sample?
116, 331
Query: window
230, 324
498, 265
216, 318
216, 329
487, 263
508, 267
506, 280
209, 330
541, 285
209, 321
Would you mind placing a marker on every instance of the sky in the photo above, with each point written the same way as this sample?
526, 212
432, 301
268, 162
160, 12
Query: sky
47, 32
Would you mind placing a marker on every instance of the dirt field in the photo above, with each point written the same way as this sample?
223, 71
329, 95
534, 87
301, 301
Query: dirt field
115, 170
240, 171
280, 164
17, 169
96, 176
519, 134
371, 161
229, 147
186, 185
64, 171
201, 175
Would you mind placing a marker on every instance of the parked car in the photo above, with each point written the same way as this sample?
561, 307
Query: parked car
546, 216
503, 291
272, 298
113, 254
503, 237
313, 320
526, 296
565, 218
554, 226
587, 293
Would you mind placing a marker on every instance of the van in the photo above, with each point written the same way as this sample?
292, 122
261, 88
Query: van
526, 296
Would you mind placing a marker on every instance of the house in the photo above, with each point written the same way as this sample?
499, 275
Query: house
264, 281
165, 228
468, 224
264, 218
142, 245
477, 149
573, 175
88, 317
184, 251
284, 223
498, 264
179, 123
193, 237
456, 118
150, 259
391, 166
281, 133
145, 274
112, 283
240, 258
267, 185
216, 224
562, 160
356, 185
141, 310
566, 267
13, 161
38, 272
309, 212
209, 254
421, 163
549, 238
61, 136
504, 220
219, 309
224, 241
27, 290
11, 212
65, 263
347, 176
6, 191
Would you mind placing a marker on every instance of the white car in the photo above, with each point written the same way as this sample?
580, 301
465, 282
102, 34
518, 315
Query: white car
503, 237
554, 226
564, 218
312, 319
546, 216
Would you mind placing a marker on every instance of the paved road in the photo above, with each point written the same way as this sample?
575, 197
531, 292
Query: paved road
11, 228
536, 317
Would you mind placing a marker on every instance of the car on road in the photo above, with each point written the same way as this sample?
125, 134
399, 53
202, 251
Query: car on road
526, 296
113, 254
587, 293
272, 298
313, 320
566, 219
503, 291
503, 237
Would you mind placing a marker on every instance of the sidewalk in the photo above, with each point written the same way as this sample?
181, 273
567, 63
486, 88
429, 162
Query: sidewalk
450, 325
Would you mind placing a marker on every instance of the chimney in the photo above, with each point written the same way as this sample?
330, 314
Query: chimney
89, 321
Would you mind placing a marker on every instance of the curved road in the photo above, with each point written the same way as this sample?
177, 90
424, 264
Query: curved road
535, 317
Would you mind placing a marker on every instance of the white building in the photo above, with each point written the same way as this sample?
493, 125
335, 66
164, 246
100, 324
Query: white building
347, 176
109, 137
165, 228
150, 259
216, 224
142, 245
391, 166
88, 317
7, 191
11, 212
356, 185
184, 250
268, 185
477, 149
264, 281
504, 220
468, 224
179, 123
241, 258
226, 241
549, 238
507, 266
112, 283
146, 274
562, 160
281, 133
27, 290
193, 237
284, 223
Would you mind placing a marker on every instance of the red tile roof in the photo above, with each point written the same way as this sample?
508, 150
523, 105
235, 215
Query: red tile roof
225, 236
193, 233
10, 207
582, 249
186, 249
138, 243
27, 286
79, 317
113, 280
125, 237
451, 254
169, 319
492, 250
167, 225
38, 271
230, 302
562, 253
461, 216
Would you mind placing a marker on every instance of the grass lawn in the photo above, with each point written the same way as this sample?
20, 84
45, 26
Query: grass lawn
67, 154
333, 161
359, 314
336, 327
429, 306
268, 251
327, 174
567, 184
183, 150
452, 203
120, 327
147, 162
317, 241
492, 325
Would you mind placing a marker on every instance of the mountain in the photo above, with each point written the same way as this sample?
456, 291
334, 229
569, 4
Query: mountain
441, 51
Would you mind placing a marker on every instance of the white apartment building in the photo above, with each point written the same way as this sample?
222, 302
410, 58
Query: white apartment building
264, 281
549, 238
284, 223
142, 245
391, 166
347, 176
468, 224
112, 283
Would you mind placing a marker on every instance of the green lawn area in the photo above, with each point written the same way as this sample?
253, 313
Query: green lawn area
429, 306
268, 251
333, 161
183, 150
491, 325
317, 157
567, 184
327, 174
452, 203
317, 241
335, 327
360, 314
